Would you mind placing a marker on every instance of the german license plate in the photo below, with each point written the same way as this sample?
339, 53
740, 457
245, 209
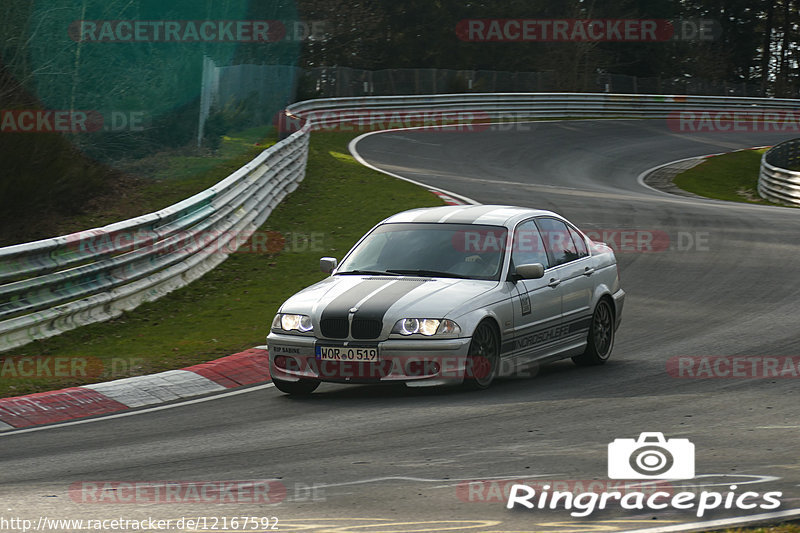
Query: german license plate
347, 353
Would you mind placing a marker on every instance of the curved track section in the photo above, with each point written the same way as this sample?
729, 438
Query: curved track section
724, 284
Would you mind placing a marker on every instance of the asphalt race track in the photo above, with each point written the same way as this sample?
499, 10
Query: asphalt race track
396, 459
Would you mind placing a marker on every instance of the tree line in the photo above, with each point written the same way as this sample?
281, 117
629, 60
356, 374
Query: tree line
755, 41
43, 66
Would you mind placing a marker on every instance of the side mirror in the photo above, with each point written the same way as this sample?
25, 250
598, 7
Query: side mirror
327, 264
531, 271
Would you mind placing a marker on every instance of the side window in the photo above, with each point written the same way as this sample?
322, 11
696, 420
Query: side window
580, 243
528, 247
557, 241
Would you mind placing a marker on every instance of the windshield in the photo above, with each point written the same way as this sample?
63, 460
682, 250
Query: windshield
443, 250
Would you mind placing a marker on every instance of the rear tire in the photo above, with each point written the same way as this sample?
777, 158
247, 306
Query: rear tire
483, 358
304, 387
600, 340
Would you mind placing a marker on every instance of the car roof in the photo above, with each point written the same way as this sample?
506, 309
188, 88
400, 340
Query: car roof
491, 215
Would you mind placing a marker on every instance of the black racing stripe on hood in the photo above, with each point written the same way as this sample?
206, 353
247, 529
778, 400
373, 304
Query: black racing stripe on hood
340, 306
376, 307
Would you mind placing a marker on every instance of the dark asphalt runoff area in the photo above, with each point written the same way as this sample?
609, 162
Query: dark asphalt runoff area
369, 458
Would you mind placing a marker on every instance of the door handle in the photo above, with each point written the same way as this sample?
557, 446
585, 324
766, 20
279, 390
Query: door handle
588, 271
554, 283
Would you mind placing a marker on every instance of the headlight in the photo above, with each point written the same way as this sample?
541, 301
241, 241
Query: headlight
426, 326
289, 322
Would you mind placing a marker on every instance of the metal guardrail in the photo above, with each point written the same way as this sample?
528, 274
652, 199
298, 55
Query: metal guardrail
54, 285
776, 181
530, 105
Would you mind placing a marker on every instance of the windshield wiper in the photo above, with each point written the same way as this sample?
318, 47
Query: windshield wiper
368, 272
422, 272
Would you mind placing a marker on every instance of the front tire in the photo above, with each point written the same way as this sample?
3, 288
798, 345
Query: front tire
304, 387
483, 358
601, 336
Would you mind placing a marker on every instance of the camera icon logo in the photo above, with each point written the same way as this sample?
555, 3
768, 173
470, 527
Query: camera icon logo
651, 456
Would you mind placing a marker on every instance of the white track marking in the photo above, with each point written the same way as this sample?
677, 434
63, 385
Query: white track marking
352, 148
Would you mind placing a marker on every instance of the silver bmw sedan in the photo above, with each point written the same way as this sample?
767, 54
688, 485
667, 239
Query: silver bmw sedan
450, 295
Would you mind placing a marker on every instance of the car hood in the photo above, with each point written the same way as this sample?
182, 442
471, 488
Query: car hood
387, 297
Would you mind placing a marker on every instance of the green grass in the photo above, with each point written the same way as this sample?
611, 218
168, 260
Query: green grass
230, 308
165, 178
732, 177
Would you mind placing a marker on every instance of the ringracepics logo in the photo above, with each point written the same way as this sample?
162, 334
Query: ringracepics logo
586, 30
586, 503
651, 457
648, 458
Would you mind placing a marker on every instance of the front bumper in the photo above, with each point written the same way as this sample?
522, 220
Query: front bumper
416, 362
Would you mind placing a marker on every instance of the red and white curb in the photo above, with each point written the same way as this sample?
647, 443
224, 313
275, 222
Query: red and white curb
690, 163
446, 198
245, 368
